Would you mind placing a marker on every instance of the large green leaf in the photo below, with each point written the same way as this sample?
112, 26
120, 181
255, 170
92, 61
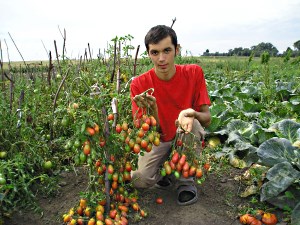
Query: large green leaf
266, 118
287, 199
252, 106
288, 129
280, 177
217, 110
215, 124
237, 125
277, 150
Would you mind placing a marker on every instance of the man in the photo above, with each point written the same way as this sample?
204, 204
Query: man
179, 100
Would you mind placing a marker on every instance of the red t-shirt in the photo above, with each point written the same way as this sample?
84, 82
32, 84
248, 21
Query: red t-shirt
186, 89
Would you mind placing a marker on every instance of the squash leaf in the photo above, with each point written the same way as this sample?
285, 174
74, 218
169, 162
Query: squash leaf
277, 150
280, 177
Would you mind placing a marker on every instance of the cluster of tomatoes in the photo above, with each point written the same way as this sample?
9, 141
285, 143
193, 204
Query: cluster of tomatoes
85, 213
102, 155
179, 165
117, 175
259, 218
141, 137
184, 162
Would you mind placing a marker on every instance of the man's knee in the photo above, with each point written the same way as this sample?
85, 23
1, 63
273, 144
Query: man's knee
140, 180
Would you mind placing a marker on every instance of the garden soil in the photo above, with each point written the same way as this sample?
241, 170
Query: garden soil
218, 203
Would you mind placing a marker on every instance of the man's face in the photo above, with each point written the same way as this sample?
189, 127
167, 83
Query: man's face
162, 55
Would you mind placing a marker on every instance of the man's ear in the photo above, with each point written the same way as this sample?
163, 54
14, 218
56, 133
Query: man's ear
177, 50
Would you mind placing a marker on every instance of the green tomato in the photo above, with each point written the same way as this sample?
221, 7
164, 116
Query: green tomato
47, 165
177, 174
82, 157
65, 121
77, 160
163, 172
3, 154
77, 143
2, 181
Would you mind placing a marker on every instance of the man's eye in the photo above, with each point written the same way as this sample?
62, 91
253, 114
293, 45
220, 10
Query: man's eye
167, 51
154, 53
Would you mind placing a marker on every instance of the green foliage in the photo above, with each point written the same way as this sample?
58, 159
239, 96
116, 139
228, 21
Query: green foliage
265, 57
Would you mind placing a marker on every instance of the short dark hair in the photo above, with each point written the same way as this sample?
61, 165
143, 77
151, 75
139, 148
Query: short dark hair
159, 32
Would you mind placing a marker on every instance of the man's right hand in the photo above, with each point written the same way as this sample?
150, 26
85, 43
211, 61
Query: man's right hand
145, 101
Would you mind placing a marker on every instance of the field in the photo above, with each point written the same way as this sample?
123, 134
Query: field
66, 154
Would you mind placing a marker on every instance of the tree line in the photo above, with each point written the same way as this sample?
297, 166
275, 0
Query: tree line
258, 50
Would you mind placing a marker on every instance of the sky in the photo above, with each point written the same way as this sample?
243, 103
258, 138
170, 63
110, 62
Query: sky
216, 25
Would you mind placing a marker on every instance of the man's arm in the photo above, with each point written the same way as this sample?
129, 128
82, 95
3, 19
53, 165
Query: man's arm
203, 116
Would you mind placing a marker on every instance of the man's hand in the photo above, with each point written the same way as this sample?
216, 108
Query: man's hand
185, 120
145, 100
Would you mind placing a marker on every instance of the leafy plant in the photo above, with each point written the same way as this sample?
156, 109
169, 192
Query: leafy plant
284, 173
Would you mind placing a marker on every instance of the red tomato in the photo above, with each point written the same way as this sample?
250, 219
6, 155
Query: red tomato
140, 133
192, 171
113, 213
182, 159
149, 147
131, 143
101, 142
179, 142
79, 210
178, 167
145, 126
128, 166
110, 116
148, 121
199, 172
186, 166
99, 215
125, 126
173, 165
185, 173
135, 206
118, 128
87, 149
123, 208
127, 176
159, 200
83, 203
144, 143
136, 148
137, 123
175, 157
96, 128
206, 166
152, 121
110, 169
108, 221
90, 131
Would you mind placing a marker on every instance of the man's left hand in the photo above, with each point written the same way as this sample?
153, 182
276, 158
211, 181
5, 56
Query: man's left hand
185, 120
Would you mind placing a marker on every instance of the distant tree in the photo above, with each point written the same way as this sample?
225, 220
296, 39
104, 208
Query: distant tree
246, 52
297, 45
206, 53
265, 47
